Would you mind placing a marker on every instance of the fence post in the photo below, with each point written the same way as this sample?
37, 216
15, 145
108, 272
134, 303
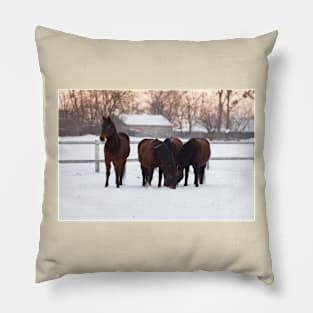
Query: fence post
97, 161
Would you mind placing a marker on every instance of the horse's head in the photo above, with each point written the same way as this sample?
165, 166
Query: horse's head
167, 163
108, 128
170, 176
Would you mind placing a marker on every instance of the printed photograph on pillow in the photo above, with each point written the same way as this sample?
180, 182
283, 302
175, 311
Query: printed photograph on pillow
156, 155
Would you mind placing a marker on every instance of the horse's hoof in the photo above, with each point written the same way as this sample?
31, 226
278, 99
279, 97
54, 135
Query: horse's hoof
106, 185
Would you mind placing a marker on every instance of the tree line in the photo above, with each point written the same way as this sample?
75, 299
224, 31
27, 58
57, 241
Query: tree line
216, 110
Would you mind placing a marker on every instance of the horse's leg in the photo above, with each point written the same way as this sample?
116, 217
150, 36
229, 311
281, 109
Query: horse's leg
143, 173
117, 168
202, 171
122, 172
150, 175
160, 177
108, 167
186, 175
196, 170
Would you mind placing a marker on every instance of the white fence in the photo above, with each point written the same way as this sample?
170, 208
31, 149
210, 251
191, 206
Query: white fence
97, 144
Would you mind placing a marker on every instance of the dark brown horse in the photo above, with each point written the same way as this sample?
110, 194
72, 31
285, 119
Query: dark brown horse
195, 152
116, 150
154, 153
174, 145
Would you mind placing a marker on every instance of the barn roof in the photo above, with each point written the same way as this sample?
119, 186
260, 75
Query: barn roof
145, 120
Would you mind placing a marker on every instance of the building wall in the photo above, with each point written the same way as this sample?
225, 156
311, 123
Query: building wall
142, 130
151, 131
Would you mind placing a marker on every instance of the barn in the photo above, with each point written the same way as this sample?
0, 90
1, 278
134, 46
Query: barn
144, 125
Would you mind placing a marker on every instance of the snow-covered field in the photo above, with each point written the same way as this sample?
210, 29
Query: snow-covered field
228, 192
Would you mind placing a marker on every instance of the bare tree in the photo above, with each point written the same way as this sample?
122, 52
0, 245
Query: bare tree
214, 109
228, 108
234, 98
208, 116
157, 101
191, 108
221, 102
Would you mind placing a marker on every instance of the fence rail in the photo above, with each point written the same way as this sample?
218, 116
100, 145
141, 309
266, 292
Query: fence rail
97, 143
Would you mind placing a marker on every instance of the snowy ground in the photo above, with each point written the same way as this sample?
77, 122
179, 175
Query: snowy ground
228, 193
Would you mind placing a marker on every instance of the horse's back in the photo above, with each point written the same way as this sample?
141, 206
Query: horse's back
145, 148
204, 150
188, 152
143, 144
176, 141
195, 151
174, 144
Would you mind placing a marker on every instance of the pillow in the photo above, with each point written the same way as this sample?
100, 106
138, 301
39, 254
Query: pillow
162, 106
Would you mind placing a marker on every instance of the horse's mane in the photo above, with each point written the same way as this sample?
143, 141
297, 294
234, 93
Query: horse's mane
168, 143
158, 144
162, 149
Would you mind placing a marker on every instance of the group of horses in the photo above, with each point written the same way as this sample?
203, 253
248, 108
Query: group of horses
171, 156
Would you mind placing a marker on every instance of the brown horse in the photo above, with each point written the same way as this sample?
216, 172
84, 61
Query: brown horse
154, 153
116, 150
174, 145
195, 152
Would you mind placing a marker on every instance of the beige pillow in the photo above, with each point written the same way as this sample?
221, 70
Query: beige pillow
89, 228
